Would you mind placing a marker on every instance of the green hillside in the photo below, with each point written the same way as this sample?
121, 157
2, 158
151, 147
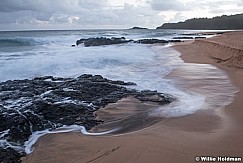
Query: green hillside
224, 22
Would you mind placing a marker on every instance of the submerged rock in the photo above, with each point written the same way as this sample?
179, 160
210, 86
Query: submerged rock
200, 37
98, 41
47, 102
189, 38
151, 41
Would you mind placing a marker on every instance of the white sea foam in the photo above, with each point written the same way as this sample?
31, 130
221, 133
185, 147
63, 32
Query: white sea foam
145, 65
196, 87
36, 135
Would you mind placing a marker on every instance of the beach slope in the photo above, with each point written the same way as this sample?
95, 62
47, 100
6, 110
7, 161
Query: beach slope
182, 139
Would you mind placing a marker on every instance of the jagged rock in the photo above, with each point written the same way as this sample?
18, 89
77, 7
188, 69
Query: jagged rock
47, 102
9, 156
98, 41
153, 96
109, 41
199, 37
175, 41
183, 38
150, 41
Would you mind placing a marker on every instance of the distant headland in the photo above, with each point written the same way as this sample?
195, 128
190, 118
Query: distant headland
138, 28
231, 22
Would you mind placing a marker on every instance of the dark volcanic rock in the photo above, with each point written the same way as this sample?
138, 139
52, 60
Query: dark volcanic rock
189, 38
200, 37
175, 41
138, 28
98, 41
47, 102
151, 41
183, 38
81, 41
152, 96
9, 156
110, 41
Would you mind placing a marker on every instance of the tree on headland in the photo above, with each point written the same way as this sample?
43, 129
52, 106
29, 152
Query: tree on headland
224, 22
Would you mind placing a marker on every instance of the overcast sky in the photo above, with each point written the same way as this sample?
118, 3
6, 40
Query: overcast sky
86, 14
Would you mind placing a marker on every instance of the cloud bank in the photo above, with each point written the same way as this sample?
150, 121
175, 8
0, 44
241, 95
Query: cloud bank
68, 14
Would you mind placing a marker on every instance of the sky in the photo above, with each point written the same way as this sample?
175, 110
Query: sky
107, 14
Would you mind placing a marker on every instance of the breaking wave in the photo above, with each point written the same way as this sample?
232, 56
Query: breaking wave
13, 42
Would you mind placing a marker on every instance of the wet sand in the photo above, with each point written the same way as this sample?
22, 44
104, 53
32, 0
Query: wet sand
211, 132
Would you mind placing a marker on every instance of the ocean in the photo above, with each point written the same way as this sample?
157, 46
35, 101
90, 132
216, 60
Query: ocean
30, 54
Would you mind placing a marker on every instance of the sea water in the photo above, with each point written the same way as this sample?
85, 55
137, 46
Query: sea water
28, 54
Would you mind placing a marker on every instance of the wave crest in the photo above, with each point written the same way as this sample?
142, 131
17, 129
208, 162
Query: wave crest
10, 42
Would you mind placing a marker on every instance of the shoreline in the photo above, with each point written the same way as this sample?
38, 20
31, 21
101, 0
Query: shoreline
188, 54
178, 139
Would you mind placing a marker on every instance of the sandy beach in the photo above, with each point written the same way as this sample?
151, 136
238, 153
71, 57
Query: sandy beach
213, 132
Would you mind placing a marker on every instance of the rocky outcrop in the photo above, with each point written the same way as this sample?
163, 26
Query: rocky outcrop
182, 37
151, 41
47, 102
138, 28
189, 38
99, 41
9, 155
200, 37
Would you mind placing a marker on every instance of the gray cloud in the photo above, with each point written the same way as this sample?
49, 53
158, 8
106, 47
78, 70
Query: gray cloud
177, 18
220, 7
175, 5
47, 10
79, 12
99, 14
139, 16
50, 5
240, 3
227, 12
19, 5
213, 6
